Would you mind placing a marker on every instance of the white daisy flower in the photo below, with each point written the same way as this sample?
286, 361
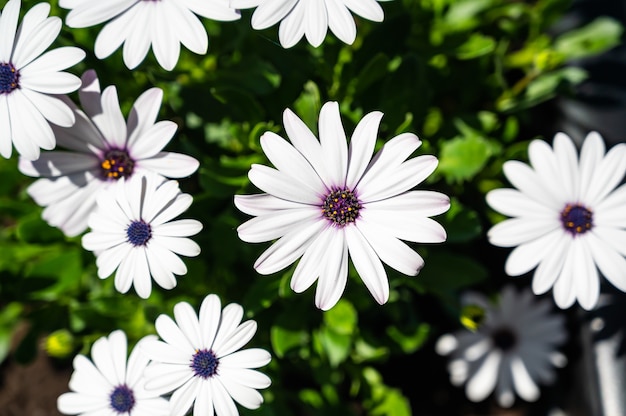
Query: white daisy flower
326, 202
101, 148
139, 24
29, 79
569, 218
200, 360
109, 385
512, 350
311, 18
132, 231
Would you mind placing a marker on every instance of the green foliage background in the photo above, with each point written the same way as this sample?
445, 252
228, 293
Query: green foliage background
464, 75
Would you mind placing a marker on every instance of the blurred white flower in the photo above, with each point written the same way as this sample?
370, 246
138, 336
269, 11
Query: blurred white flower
139, 24
512, 349
326, 202
568, 218
132, 231
29, 80
109, 385
311, 18
101, 148
200, 360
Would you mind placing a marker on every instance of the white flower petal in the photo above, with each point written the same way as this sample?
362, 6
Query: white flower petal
514, 203
209, 318
184, 396
8, 26
292, 27
362, 143
171, 333
316, 22
516, 231
341, 22
260, 204
222, 401
245, 359
169, 164
550, 267
276, 224
334, 145
484, 380
187, 321
333, 273
288, 248
524, 384
367, 265
393, 252
271, 12
368, 9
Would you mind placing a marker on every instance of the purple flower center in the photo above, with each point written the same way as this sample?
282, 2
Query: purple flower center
9, 78
116, 164
341, 207
504, 339
576, 219
139, 233
204, 363
122, 399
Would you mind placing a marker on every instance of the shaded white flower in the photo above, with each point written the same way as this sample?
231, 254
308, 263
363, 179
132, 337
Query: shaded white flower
512, 350
326, 202
132, 231
568, 218
140, 24
200, 360
311, 18
108, 385
29, 79
101, 148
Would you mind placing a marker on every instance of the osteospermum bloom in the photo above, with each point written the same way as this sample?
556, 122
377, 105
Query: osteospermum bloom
139, 24
132, 231
311, 19
108, 384
200, 360
102, 148
28, 79
511, 350
326, 202
568, 218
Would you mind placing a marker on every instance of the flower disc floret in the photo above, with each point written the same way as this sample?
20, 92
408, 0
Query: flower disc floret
122, 399
9, 78
117, 164
139, 233
576, 219
341, 207
204, 363
504, 338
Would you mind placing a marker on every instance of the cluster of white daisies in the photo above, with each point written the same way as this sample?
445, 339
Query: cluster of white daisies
324, 201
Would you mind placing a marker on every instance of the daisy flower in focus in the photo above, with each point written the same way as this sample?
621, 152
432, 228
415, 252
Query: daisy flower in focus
325, 202
108, 384
200, 360
311, 19
511, 350
30, 79
101, 149
139, 24
132, 231
568, 218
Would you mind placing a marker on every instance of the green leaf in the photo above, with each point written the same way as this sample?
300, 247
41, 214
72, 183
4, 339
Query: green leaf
596, 37
409, 343
308, 105
477, 45
445, 272
336, 346
342, 318
461, 223
461, 158
284, 340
